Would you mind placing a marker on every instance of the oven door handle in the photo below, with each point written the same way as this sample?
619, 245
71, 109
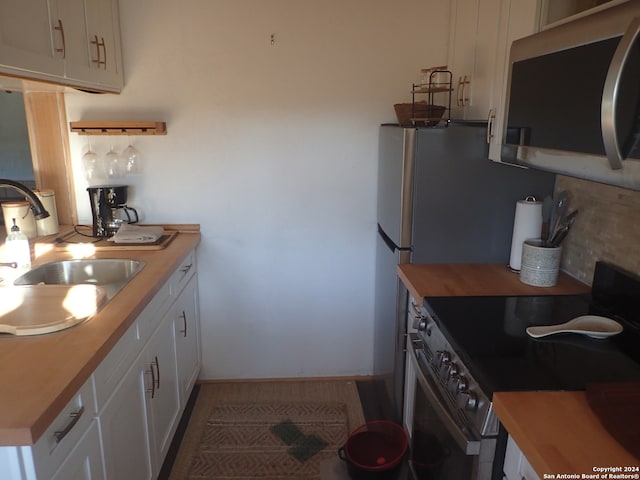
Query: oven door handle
469, 444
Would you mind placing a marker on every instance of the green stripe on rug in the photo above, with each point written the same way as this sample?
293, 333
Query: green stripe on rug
302, 447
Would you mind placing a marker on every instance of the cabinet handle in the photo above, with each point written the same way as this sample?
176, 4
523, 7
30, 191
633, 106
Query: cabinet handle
458, 93
95, 42
490, 120
152, 390
75, 416
158, 373
184, 320
465, 96
186, 268
104, 53
62, 50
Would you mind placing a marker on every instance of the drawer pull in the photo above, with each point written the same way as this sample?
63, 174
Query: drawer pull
152, 390
104, 52
155, 377
75, 416
98, 45
186, 268
62, 50
184, 319
158, 373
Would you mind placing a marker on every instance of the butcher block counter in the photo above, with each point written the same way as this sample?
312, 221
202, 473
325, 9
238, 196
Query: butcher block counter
39, 374
559, 434
458, 280
557, 431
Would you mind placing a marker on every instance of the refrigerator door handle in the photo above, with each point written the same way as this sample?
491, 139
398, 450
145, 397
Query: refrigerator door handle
390, 243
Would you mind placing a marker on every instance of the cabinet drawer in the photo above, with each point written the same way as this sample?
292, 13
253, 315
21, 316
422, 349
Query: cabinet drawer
182, 274
65, 432
85, 461
150, 317
110, 372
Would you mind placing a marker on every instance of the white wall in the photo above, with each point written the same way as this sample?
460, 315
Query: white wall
272, 149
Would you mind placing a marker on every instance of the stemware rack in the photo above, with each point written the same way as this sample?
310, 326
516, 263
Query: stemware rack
119, 128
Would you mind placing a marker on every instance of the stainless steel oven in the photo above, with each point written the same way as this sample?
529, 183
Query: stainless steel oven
441, 415
464, 349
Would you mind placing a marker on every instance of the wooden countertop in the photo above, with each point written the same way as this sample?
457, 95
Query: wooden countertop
456, 280
40, 374
559, 433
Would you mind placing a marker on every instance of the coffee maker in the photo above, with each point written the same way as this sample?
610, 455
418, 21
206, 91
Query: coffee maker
109, 209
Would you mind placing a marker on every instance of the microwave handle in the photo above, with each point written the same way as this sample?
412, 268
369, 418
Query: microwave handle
610, 94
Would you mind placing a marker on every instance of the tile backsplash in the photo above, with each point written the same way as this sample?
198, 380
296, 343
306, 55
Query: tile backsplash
607, 227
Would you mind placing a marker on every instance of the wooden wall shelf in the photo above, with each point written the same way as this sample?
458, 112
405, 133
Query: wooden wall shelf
119, 128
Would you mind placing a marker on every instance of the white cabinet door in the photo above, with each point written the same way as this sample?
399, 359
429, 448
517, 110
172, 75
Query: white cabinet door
516, 466
163, 403
186, 323
462, 39
85, 461
70, 34
101, 63
26, 39
472, 43
124, 429
518, 18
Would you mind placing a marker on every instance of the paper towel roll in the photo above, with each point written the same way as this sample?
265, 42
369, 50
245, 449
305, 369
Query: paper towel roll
527, 224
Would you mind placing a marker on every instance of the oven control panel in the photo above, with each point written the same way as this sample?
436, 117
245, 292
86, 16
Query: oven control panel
457, 387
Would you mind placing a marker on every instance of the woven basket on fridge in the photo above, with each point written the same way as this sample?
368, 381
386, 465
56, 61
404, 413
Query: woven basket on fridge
418, 114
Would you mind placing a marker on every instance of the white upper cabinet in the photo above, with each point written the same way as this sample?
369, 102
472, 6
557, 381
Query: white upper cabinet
518, 18
560, 11
100, 64
26, 40
471, 57
67, 42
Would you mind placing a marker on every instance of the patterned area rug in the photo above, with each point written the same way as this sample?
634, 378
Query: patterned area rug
273, 439
269, 440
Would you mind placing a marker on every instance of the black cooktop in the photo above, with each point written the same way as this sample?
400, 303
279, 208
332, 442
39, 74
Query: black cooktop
489, 334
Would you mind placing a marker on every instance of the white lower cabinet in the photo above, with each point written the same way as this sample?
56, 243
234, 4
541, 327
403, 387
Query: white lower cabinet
123, 425
140, 418
120, 424
69, 444
85, 460
516, 466
186, 322
161, 391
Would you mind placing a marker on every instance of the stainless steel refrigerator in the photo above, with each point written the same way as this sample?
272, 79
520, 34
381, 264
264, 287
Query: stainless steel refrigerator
440, 200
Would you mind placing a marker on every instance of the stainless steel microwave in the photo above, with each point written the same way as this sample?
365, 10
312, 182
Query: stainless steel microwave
573, 98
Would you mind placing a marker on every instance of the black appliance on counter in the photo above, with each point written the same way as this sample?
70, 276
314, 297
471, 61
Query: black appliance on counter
109, 209
440, 200
467, 348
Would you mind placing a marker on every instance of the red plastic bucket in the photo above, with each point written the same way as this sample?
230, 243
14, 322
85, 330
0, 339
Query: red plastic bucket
375, 450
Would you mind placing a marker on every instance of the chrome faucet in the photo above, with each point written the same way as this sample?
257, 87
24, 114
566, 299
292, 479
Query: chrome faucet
38, 209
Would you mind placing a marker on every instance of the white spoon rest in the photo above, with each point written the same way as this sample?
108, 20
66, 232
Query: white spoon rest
590, 325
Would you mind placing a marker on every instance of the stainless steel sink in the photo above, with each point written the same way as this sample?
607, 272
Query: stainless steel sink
110, 273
